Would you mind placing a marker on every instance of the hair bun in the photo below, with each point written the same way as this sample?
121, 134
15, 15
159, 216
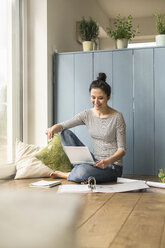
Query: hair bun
102, 76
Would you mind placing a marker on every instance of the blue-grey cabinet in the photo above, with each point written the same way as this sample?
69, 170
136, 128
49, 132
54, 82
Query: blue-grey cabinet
143, 112
159, 77
83, 76
137, 78
64, 89
122, 98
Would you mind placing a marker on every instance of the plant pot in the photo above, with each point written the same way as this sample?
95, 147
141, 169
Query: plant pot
87, 45
122, 43
160, 40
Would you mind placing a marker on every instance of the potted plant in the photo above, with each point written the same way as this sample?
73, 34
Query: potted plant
160, 26
122, 30
161, 175
89, 32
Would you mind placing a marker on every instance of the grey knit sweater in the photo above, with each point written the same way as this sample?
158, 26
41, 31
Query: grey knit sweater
108, 134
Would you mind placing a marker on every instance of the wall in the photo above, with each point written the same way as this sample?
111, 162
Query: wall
62, 17
37, 70
61, 23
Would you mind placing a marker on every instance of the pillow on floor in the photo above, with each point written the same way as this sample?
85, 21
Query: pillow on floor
54, 156
27, 165
7, 171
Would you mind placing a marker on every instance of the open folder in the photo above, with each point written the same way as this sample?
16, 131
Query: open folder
103, 188
79, 154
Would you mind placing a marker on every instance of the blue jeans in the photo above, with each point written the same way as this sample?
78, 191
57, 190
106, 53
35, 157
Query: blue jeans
82, 172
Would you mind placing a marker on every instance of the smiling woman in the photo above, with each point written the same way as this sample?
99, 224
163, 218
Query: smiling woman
106, 127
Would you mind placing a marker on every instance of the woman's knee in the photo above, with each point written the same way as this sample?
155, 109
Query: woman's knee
67, 137
79, 174
66, 133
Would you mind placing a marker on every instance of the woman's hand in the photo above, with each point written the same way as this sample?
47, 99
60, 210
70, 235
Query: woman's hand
49, 132
54, 129
101, 164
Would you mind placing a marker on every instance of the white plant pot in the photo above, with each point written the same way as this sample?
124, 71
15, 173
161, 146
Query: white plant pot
160, 40
87, 45
122, 43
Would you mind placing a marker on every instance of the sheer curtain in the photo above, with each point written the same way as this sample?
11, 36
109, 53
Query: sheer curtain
11, 78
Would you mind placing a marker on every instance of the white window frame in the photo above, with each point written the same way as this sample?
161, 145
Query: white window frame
13, 87
24, 72
141, 44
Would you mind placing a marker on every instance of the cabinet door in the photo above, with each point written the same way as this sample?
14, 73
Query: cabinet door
64, 87
103, 63
122, 99
83, 79
159, 55
144, 112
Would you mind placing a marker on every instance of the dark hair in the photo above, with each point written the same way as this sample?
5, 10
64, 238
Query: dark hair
101, 83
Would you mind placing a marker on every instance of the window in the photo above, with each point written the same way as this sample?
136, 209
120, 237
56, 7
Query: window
10, 95
145, 44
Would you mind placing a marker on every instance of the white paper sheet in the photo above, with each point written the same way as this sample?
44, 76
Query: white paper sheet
155, 184
126, 180
149, 183
112, 188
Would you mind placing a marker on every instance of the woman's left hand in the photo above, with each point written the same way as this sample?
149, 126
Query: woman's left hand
101, 164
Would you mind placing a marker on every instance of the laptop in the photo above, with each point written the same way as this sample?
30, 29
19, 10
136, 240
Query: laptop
79, 154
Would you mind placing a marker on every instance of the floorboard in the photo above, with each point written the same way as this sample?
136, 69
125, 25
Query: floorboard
162, 240
117, 220
92, 204
100, 230
144, 226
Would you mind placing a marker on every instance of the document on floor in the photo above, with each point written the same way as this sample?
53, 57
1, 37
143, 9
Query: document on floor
111, 188
45, 184
149, 183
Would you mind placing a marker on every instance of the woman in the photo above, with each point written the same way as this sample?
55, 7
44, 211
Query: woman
107, 129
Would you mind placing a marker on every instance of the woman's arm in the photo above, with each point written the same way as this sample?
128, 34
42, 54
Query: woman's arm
116, 156
54, 129
77, 120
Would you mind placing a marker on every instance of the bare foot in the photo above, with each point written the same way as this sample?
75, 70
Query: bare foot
84, 182
59, 174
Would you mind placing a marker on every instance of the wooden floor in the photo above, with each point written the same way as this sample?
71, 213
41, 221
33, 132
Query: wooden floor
117, 220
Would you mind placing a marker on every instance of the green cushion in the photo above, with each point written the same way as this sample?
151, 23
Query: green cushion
54, 156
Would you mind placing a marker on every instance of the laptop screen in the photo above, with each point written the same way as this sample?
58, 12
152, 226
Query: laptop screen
79, 154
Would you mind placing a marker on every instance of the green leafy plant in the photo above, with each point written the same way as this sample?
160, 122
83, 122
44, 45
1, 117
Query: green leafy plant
161, 175
122, 28
88, 29
160, 22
